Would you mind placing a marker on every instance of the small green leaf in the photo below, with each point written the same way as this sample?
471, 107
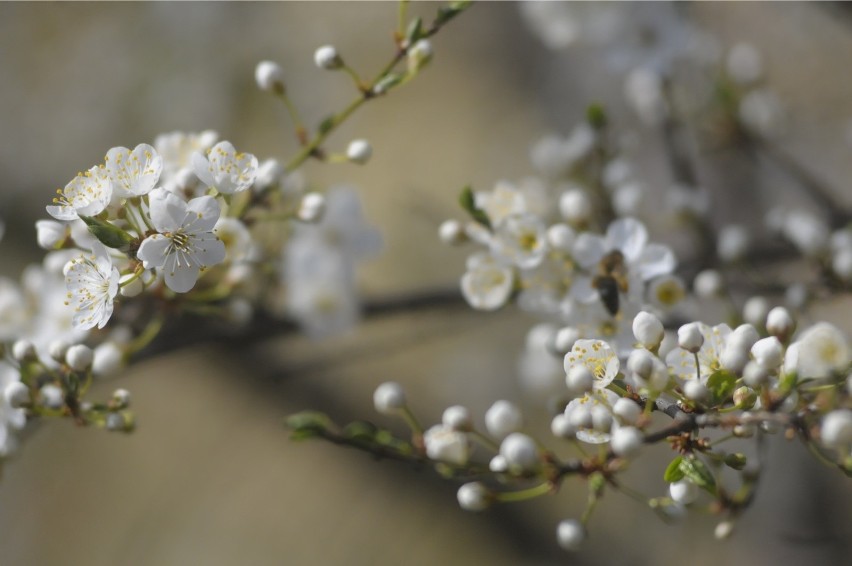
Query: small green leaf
736, 461
326, 125
450, 11
360, 431
468, 203
673, 472
721, 384
596, 116
787, 381
308, 424
107, 234
697, 472
415, 31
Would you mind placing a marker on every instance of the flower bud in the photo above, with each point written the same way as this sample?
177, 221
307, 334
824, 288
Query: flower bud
57, 350
648, 330
52, 396
520, 452
626, 441
723, 530
326, 57
502, 419
579, 380
389, 398
446, 445
419, 55
641, 362
768, 352
130, 289
570, 534
683, 492
50, 234
689, 337
580, 417
24, 351
708, 284
107, 360
734, 357
359, 151
452, 232
836, 430
121, 398
457, 418
601, 418
564, 339
498, 464
575, 206
694, 390
269, 77
754, 374
474, 496
311, 208
755, 311
627, 411
744, 397
744, 336
16, 394
560, 237
561, 426
780, 324
79, 357
733, 243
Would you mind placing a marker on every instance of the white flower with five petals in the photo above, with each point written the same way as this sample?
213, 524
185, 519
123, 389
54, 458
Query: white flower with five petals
92, 284
134, 173
224, 169
87, 194
186, 243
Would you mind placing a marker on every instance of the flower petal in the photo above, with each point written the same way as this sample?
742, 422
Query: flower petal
656, 260
588, 250
202, 215
153, 251
167, 210
628, 235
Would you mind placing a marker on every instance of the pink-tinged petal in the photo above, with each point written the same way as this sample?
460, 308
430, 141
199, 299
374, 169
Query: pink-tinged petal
628, 235
202, 213
153, 251
203, 170
656, 260
209, 251
167, 210
588, 250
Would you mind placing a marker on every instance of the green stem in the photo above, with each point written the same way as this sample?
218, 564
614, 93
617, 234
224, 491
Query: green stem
412, 421
524, 494
335, 121
147, 336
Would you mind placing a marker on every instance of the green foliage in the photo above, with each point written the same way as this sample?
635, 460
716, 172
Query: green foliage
721, 384
107, 234
697, 472
468, 203
673, 472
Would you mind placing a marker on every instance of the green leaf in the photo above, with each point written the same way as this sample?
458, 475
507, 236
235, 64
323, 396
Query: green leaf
468, 203
450, 11
415, 31
721, 384
308, 424
673, 472
360, 431
107, 234
697, 472
596, 116
326, 125
736, 460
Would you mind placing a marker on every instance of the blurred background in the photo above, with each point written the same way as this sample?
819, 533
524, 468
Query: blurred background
210, 477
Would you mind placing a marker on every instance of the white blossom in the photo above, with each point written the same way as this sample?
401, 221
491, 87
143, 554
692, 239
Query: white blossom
133, 173
598, 357
823, 349
445, 444
186, 243
486, 285
224, 169
87, 194
92, 284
